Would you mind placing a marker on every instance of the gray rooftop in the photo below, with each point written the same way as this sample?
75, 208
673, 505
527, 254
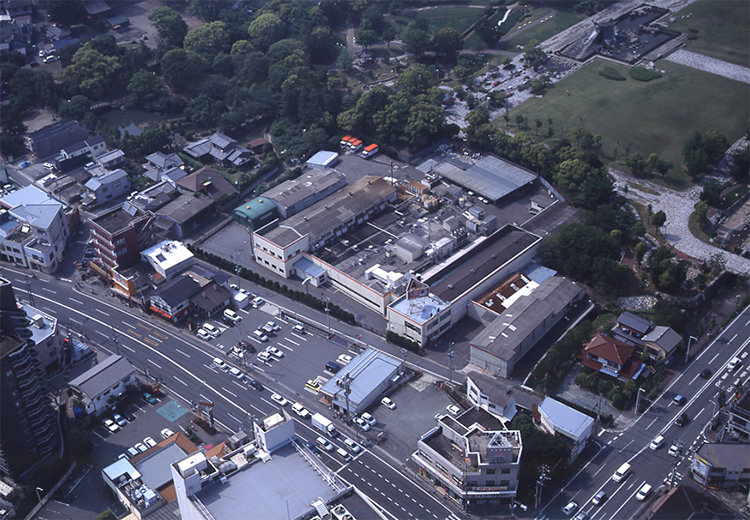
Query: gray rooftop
291, 192
490, 176
101, 377
283, 487
733, 457
333, 211
183, 207
366, 371
27, 195
665, 337
504, 335
156, 469
566, 419
631, 321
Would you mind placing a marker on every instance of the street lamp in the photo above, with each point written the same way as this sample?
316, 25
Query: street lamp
404, 353
328, 315
638, 400
450, 366
687, 352
39, 496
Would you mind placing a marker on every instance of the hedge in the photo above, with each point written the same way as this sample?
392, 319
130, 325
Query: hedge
247, 274
644, 74
610, 73
401, 341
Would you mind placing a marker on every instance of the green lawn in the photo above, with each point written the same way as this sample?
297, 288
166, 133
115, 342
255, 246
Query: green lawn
458, 18
723, 29
561, 21
655, 117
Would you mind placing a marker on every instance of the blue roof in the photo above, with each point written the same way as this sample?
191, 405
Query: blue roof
366, 372
566, 419
308, 267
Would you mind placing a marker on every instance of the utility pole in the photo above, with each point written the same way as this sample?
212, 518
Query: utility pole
540, 483
404, 353
687, 352
115, 339
28, 291
450, 366
328, 315
638, 401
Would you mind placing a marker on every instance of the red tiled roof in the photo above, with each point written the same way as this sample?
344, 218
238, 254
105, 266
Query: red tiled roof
610, 349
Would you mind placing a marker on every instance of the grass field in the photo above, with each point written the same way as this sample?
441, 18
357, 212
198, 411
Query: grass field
654, 117
459, 18
561, 21
723, 29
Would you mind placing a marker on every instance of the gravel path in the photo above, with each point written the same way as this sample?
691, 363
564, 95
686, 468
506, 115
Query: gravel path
678, 207
711, 65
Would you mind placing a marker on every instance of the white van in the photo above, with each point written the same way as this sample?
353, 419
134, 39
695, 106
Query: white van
230, 314
211, 329
643, 493
621, 473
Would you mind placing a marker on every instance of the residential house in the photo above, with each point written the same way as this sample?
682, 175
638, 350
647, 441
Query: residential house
51, 140
96, 10
16, 8
111, 160
614, 358
94, 147
715, 464
209, 182
661, 342
168, 258
160, 165
211, 299
567, 423
172, 300
108, 186
120, 235
471, 458
221, 149
492, 395
183, 214
631, 328
96, 388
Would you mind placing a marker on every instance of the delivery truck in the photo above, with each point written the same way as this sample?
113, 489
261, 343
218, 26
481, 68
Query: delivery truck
324, 424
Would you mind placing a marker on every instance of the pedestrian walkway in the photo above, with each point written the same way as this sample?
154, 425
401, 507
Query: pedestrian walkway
711, 65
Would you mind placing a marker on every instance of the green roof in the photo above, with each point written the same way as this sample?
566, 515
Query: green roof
255, 208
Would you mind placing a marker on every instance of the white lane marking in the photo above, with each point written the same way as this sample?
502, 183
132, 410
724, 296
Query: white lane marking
625, 447
733, 338
103, 334
698, 414
714, 358
74, 300
75, 321
693, 380
651, 423
181, 352
128, 348
158, 340
126, 323
154, 363
227, 391
238, 384
102, 312
49, 290
180, 380
66, 280
267, 401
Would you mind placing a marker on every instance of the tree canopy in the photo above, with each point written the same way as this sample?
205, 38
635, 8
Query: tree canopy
169, 25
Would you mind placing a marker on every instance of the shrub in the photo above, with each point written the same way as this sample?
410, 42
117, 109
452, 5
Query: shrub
611, 73
693, 30
644, 74
692, 37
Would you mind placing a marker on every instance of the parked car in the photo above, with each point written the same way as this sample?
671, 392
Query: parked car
362, 424
313, 385
675, 449
140, 447
166, 433
132, 452
258, 301
245, 345
299, 329
260, 335
267, 330
231, 315
119, 419
343, 359
386, 401
111, 425
50, 59
273, 325
264, 356
129, 416
275, 352
581, 516
148, 398
211, 330
279, 399
149, 442
453, 409
311, 447
369, 418
205, 336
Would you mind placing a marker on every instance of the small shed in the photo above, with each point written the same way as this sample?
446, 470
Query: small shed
323, 160
117, 21
256, 213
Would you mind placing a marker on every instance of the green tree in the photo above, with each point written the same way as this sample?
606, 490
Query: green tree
534, 55
321, 46
169, 25
487, 31
345, 61
417, 38
265, 30
417, 79
181, 69
701, 212
663, 166
74, 108
635, 162
204, 111
715, 143
694, 153
741, 165
66, 12
80, 442
640, 250
208, 11
373, 20
447, 43
91, 73
144, 88
638, 229
208, 40
366, 37
106, 44
659, 218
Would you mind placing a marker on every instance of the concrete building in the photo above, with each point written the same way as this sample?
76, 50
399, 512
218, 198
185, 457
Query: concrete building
367, 376
108, 186
34, 229
738, 423
279, 246
490, 177
471, 459
51, 140
168, 258
312, 186
715, 464
172, 300
323, 160
274, 476
24, 401
120, 235
96, 387
506, 339
567, 423
492, 395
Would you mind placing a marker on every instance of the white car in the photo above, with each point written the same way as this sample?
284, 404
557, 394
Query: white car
273, 325
211, 330
362, 424
323, 443
300, 410
264, 356
149, 441
235, 372
166, 433
132, 452
111, 425
369, 419
50, 59
353, 446
657, 442
279, 399
258, 334
453, 409
230, 314
343, 359
202, 334
220, 364
643, 493
388, 403
258, 301
275, 352
568, 510
140, 447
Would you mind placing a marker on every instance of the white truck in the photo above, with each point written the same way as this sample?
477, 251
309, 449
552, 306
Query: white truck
324, 424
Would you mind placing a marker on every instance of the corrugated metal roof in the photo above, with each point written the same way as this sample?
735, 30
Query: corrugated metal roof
566, 419
367, 372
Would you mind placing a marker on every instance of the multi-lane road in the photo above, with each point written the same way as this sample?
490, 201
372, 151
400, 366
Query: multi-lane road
632, 445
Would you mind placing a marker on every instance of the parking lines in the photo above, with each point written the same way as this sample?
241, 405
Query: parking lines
290, 341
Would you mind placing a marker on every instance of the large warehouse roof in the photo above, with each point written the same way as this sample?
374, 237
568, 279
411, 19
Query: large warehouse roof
331, 212
490, 176
291, 192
